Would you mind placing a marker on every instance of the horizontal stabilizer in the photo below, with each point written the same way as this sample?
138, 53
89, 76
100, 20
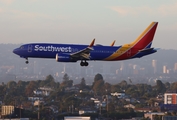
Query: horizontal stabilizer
146, 50
156, 49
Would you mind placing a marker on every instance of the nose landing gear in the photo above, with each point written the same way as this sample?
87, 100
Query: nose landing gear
27, 61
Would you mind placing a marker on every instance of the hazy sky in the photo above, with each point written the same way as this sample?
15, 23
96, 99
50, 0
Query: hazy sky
79, 21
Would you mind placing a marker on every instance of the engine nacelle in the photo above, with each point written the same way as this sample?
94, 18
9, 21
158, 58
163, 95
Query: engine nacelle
64, 58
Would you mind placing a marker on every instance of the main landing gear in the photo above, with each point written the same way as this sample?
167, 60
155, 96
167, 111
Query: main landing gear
85, 63
27, 61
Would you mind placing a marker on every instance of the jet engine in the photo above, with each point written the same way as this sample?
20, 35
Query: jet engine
64, 58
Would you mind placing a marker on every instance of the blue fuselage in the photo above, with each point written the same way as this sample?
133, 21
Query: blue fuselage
44, 50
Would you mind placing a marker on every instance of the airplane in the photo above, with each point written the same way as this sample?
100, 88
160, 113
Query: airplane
73, 52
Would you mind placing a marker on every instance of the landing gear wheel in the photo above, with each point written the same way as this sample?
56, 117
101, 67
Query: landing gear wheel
82, 63
86, 63
27, 62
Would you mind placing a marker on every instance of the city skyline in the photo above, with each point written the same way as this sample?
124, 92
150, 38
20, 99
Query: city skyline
80, 21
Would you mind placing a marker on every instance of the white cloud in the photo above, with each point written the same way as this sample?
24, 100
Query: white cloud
163, 10
31, 15
7, 1
124, 11
18, 14
166, 10
170, 27
1, 10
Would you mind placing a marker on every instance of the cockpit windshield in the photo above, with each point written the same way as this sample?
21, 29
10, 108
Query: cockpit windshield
21, 47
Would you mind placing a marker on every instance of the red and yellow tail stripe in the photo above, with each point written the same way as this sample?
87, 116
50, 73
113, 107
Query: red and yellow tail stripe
128, 50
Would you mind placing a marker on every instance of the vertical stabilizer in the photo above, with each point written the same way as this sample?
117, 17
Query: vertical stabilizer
144, 41
146, 38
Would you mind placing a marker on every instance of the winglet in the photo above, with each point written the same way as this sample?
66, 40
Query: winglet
113, 43
92, 43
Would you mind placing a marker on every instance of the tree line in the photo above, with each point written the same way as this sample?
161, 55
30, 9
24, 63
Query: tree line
17, 93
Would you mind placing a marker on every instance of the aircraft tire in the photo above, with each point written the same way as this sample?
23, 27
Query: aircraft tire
82, 64
27, 62
86, 63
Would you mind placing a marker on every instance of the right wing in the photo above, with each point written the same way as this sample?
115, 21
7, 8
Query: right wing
84, 53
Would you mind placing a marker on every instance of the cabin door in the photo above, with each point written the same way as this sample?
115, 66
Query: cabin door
30, 48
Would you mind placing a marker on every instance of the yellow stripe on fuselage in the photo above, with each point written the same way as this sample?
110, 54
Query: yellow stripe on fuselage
127, 47
119, 52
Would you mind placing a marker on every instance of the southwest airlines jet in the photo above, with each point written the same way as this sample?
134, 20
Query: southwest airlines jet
72, 53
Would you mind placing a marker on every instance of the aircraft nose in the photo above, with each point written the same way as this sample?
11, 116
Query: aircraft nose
15, 51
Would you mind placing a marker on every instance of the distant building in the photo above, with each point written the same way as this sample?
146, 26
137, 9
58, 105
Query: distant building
38, 102
151, 115
143, 109
154, 65
160, 96
35, 98
168, 107
170, 98
147, 109
119, 95
175, 67
43, 91
86, 110
7, 110
76, 118
129, 106
165, 70
135, 69
12, 111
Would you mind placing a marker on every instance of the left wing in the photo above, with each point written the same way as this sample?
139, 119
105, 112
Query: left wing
84, 53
